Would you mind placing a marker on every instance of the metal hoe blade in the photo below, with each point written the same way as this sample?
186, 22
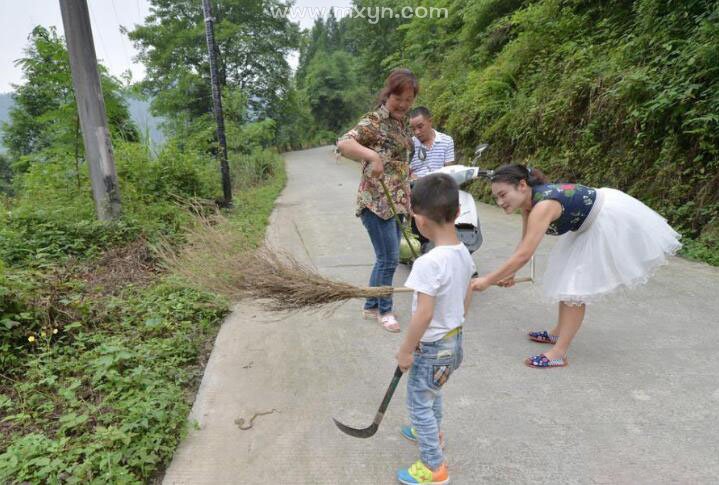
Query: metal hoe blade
357, 433
372, 429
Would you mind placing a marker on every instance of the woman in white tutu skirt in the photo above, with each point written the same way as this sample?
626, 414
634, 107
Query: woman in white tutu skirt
608, 241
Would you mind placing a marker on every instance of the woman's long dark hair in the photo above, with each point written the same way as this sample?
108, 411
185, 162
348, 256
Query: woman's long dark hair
397, 81
514, 173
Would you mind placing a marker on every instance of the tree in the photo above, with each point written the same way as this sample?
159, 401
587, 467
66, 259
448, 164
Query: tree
252, 43
311, 42
335, 96
44, 118
297, 122
5, 175
325, 36
334, 34
378, 45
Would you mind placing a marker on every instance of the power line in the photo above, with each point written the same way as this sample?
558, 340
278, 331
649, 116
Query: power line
98, 30
122, 34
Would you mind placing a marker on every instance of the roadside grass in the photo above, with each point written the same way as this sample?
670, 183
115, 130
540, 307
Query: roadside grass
99, 367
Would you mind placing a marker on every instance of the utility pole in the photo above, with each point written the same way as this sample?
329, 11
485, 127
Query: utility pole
91, 108
217, 103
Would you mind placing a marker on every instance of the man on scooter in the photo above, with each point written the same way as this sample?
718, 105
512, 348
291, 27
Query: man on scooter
432, 151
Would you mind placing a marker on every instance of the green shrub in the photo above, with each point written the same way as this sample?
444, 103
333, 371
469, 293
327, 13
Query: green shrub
173, 172
254, 168
53, 217
619, 94
118, 404
97, 385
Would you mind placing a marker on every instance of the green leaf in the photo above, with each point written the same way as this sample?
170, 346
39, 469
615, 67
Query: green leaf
153, 322
71, 420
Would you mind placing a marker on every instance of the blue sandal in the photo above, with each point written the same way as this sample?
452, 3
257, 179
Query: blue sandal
543, 337
542, 362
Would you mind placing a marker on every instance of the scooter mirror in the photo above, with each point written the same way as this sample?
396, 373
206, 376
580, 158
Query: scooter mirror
480, 148
485, 173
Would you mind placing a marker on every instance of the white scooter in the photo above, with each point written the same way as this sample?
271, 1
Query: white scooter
467, 224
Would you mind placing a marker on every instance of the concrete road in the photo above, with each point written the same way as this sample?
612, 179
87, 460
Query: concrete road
639, 402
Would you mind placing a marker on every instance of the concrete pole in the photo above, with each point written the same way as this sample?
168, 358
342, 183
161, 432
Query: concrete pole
91, 108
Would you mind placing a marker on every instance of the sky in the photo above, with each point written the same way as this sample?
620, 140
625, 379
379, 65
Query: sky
113, 49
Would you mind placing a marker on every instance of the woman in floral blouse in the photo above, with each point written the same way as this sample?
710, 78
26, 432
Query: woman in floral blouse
382, 141
608, 240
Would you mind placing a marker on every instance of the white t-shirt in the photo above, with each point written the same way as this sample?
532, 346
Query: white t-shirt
443, 273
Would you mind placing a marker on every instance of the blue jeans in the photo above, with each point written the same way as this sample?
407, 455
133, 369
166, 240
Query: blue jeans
433, 364
384, 235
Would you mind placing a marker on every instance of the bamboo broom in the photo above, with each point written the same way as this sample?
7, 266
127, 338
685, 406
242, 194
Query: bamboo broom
217, 258
281, 283
287, 285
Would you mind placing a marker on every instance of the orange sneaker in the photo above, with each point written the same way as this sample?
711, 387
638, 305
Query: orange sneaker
420, 473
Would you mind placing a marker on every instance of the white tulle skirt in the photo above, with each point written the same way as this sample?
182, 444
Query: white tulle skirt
621, 248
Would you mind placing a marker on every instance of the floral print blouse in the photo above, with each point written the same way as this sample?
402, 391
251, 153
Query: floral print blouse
577, 202
392, 139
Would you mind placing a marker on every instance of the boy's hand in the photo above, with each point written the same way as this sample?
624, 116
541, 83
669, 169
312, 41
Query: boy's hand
404, 360
480, 284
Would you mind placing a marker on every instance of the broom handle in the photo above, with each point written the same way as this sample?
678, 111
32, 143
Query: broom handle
402, 289
399, 223
523, 280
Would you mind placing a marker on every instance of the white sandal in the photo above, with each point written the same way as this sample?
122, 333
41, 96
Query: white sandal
389, 322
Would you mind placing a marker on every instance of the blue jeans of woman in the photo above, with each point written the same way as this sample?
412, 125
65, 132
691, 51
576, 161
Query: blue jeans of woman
384, 234
433, 364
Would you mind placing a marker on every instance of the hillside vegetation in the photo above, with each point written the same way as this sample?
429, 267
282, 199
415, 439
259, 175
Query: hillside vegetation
618, 93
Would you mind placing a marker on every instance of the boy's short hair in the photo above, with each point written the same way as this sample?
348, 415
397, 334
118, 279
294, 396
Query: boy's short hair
436, 196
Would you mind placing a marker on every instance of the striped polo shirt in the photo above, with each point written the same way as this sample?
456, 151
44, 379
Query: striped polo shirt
442, 152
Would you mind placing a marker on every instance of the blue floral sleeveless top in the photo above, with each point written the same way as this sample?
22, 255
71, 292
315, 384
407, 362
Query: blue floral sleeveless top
577, 201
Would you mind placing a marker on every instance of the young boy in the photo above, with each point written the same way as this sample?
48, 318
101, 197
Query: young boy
432, 348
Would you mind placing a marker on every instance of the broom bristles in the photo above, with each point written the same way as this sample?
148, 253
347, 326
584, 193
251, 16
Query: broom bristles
286, 284
217, 259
